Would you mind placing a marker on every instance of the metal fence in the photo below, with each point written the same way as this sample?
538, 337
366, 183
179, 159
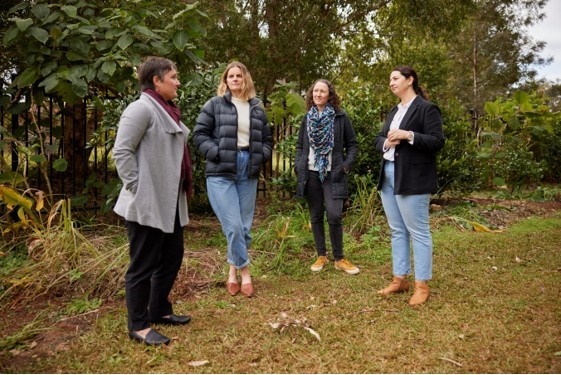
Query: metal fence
51, 147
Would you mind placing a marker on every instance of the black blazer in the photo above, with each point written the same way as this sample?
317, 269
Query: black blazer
415, 165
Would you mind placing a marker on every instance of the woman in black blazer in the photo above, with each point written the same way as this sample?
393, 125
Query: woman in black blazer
409, 141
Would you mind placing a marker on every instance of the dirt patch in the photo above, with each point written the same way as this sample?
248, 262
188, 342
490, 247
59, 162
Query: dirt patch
500, 214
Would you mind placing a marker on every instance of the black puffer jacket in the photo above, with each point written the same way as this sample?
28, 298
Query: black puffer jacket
345, 151
216, 136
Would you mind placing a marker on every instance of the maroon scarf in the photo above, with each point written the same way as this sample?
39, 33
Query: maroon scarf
186, 164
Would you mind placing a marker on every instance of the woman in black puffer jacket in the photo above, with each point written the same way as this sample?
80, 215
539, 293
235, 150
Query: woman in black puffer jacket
233, 135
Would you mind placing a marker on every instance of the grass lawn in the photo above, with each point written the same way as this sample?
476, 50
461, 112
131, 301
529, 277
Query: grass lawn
495, 308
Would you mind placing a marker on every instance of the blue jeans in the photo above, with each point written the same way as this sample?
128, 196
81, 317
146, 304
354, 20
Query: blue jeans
408, 218
233, 202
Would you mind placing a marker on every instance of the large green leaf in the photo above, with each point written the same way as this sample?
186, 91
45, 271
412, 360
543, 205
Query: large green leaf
295, 104
41, 11
60, 165
73, 56
50, 83
79, 87
87, 30
180, 39
109, 67
104, 45
23, 24
40, 34
54, 16
146, 31
28, 77
125, 41
38, 159
10, 35
70, 10
493, 108
81, 46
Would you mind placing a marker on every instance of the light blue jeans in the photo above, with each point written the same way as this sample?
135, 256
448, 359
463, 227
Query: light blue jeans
233, 202
408, 218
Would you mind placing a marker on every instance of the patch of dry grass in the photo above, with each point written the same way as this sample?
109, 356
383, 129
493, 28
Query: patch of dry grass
495, 308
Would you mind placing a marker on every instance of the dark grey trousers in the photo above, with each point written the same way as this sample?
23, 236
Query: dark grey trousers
320, 202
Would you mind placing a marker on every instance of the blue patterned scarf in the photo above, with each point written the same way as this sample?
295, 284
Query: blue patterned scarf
320, 134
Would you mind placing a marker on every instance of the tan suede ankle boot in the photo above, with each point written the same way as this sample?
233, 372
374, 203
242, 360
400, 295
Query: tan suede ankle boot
421, 293
398, 285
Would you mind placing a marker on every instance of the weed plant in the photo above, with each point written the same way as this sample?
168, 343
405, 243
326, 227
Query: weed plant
61, 259
283, 241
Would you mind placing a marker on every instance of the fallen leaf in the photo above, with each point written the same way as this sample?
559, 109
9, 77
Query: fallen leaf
451, 361
198, 363
558, 354
316, 335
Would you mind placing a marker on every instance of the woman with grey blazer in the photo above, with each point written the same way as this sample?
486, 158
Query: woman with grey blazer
153, 162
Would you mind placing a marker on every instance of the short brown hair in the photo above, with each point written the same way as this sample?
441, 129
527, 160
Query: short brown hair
153, 66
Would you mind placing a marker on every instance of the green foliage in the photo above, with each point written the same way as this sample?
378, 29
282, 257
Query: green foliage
25, 334
365, 112
515, 140
282, 242
22, 210
60, 258
366, 205
82, 305
546, 194
458, 169
285, 113
72, 47
196, 89
285, 103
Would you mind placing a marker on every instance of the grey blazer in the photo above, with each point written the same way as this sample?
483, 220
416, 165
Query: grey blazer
148, 152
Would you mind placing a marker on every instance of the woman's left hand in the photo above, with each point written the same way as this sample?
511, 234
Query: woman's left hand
397, 135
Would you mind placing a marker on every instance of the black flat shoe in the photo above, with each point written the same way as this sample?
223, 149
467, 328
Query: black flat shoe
153, 337
174, 320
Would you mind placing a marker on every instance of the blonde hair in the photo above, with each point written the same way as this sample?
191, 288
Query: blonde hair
248, 89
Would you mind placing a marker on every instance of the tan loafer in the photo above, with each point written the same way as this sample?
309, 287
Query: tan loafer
233, 288
247, 290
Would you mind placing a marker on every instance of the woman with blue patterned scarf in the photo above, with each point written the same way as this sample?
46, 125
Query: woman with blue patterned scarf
325, 152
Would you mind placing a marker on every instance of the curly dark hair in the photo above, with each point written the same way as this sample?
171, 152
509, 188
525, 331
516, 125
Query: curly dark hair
333, 97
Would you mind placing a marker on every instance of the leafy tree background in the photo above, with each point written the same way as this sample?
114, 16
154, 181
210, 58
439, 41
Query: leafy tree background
468, 53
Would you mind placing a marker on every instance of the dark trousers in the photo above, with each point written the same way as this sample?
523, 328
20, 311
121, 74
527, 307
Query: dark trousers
320, 202
155, 261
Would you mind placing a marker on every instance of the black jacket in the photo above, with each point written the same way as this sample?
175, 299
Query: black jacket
415, 165
345, 151
216, 136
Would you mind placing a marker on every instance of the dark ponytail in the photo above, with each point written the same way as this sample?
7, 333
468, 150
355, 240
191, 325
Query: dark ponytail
407, 72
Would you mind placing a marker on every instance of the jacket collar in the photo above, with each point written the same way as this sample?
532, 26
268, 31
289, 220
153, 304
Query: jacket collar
252, 102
